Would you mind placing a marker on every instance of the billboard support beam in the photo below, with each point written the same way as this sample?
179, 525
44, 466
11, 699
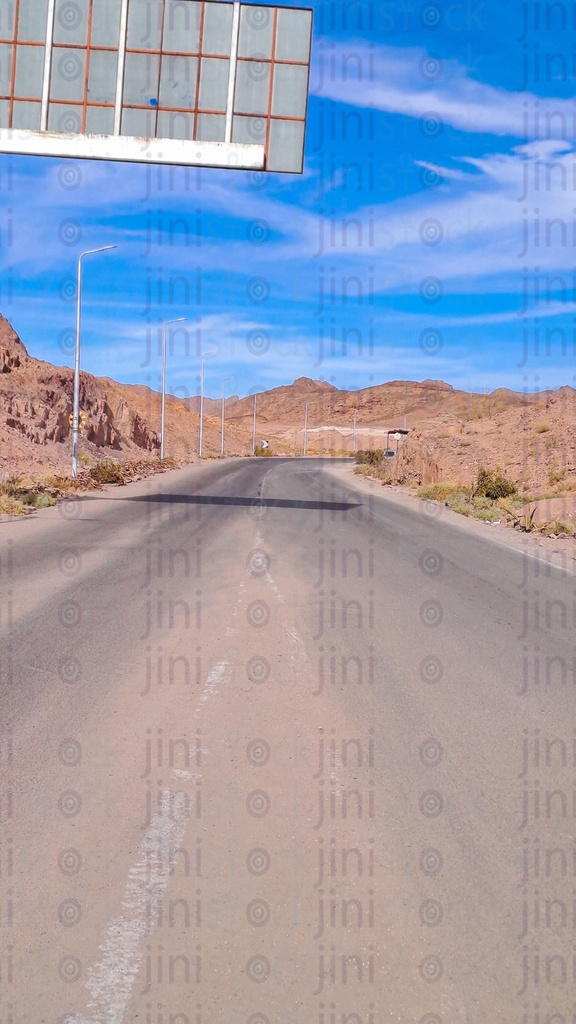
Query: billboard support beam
179, 152
47, 64
121, 66
232, 77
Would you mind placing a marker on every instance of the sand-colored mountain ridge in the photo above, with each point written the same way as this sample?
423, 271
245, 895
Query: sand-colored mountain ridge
531, 437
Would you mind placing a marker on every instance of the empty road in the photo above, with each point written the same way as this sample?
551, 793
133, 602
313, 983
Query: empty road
275, 749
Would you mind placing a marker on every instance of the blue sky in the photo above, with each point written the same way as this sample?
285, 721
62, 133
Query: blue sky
432, 234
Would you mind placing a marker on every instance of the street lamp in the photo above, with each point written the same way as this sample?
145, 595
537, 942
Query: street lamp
354, 433
205, 356
179, 320
222, 428
76, 400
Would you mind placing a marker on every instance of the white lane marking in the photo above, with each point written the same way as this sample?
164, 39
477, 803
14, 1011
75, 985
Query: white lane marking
221, 673
187, 776
289, 629
110, 981
270, 581
231, 629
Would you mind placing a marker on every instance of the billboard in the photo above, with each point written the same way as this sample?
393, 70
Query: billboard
164, 81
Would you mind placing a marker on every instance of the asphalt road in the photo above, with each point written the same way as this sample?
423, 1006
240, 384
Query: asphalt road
277, 750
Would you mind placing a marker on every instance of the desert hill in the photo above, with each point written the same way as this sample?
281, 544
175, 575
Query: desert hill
531, 437
123, 421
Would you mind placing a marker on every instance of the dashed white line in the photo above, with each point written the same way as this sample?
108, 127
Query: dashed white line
110, 981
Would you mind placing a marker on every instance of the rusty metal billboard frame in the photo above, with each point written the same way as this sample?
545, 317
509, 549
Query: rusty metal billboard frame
226, 82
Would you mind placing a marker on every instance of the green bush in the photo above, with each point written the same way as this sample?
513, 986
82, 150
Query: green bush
559, 526
107, 472
369, 457
10, 506
492, 484
444, 491
461, 504
44, 500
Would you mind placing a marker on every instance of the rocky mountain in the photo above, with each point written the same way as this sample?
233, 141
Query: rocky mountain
451, 432
36, 404
12, 351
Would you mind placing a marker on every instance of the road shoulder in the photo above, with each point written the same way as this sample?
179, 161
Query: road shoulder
555, 551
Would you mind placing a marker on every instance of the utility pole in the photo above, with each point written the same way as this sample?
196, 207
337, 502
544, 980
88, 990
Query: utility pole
305, 428
254, 429
354, 432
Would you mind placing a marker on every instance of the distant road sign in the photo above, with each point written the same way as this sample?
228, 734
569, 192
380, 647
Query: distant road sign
186, 82
264, 444
82, 420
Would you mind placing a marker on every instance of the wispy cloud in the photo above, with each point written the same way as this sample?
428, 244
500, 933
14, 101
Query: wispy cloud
476, 232
548, 311
417, 84
491, 217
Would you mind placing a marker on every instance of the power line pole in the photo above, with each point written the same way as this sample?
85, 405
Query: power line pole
305, 428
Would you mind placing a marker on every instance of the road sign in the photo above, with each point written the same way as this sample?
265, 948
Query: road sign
82, 420
187, 82
264, 445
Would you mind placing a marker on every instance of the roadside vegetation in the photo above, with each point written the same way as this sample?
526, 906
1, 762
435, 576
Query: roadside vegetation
372, 463
491, 497
21, 495
373, 458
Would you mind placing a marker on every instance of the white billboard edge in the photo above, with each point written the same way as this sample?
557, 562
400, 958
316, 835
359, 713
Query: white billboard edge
231, 156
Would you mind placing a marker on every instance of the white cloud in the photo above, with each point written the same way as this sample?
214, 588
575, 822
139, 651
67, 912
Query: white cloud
483, 219
411, 82
477, 215
476, 232
447, 173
